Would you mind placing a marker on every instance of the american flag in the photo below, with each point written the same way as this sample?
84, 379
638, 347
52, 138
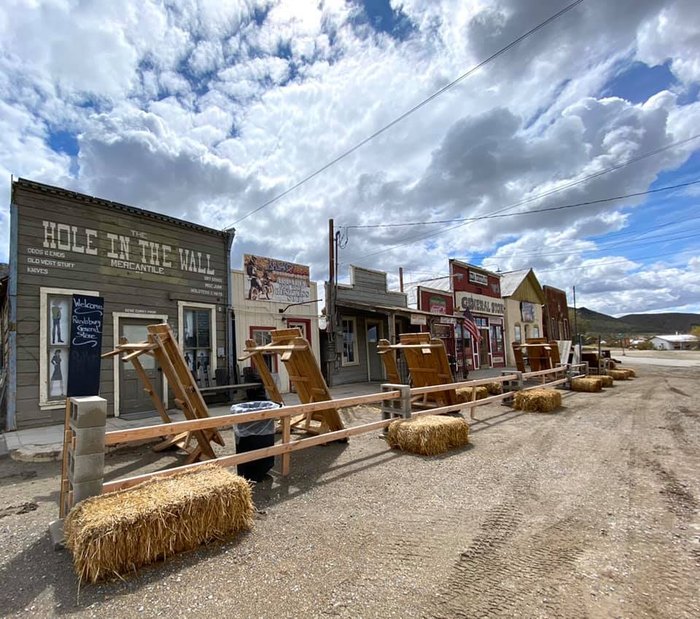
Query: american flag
470, 324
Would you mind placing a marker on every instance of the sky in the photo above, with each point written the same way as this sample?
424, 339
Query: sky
208, 110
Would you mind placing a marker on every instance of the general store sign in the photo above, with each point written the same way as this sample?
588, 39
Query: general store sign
479, 303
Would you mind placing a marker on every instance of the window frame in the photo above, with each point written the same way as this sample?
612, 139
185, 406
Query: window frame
44, 293
517, 334
185, 305
355, 343
274, 365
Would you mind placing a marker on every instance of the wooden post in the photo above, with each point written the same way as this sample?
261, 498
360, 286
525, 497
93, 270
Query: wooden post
286, 438
67, 436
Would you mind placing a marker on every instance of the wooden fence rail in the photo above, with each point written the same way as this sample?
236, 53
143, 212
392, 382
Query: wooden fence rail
287, 446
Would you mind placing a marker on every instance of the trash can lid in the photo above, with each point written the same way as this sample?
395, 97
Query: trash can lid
258, 405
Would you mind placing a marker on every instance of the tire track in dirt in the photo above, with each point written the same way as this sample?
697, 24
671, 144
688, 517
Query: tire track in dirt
678, 497
505, 571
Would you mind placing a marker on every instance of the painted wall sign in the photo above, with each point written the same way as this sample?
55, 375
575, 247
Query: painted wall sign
478, 278
418, 319
480, 303
268, 279
438, 305
134, 250
85, 346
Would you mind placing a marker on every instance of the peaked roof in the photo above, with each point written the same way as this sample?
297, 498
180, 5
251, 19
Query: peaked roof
512, 280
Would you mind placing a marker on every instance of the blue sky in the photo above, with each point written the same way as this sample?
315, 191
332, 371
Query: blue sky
207, 110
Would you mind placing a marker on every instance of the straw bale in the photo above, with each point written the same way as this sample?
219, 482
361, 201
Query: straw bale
607, 381
618, 374
464, 394
118, 532
428, 435
590, 384
495, 388
630, 372
540, 400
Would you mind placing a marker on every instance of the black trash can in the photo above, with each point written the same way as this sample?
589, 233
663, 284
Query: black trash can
255, 435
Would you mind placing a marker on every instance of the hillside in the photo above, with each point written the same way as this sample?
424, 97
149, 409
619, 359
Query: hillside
633, 324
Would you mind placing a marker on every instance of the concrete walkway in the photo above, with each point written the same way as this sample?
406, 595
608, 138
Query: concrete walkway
44, 444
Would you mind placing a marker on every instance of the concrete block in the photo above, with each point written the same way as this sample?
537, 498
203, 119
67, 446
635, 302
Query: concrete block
85, 468
88, 412
89, 440
56, 533
86, 489
400, 407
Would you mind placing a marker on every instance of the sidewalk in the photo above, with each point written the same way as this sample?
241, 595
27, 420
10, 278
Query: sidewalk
44, 444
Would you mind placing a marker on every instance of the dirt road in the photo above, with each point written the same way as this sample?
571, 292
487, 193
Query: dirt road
588, 512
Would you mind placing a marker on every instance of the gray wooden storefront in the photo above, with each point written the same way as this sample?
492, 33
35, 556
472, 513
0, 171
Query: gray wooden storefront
148, 267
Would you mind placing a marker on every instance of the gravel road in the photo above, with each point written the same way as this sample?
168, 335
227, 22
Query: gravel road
591, 511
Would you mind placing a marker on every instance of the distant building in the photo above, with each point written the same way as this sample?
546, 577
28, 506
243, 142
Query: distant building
524, 299
555, 314
675, 342
479, 291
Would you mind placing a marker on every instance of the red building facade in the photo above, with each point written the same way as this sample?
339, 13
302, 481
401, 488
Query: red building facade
480, 291
555, 314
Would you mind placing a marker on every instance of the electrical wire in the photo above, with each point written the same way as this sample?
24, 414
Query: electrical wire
415, 108
532, 212
614, 168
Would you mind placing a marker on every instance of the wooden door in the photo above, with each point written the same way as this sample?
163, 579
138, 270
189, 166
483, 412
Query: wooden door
132, 397
375, 369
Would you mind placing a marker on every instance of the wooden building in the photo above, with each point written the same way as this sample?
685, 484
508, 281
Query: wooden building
274, 294
524, 298
555, 317
479, 290
149, 268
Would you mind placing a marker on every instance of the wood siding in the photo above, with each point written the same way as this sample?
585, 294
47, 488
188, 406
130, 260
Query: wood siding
140, 263
369, 287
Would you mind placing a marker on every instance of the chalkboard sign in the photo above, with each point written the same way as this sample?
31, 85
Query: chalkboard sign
85, 345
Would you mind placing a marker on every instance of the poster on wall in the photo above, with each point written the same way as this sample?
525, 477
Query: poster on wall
267, 279
528, 311
84, 359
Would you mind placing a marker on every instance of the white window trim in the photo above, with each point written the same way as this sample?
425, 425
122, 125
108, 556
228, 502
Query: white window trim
116, 317
44, 402
343, 362
181, 305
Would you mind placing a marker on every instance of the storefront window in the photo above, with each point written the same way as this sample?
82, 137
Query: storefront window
263, 336
497, 346
197, 343
349, 342
517, 335
57, 345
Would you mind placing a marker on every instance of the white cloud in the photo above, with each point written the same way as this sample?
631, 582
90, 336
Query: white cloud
194, 108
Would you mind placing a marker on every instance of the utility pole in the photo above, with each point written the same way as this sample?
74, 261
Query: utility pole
330, 306
401, 279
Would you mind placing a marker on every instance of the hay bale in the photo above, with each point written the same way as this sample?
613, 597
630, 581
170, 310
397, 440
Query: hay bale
606, 381
540, 400
590, 384
117, 533
464, 394
428, 435
630, 372
495, 388
618, 374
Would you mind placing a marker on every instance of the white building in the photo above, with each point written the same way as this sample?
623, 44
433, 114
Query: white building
273, 294
674, 342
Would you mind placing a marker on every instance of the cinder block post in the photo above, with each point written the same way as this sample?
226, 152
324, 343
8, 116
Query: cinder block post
400, 407
86, 456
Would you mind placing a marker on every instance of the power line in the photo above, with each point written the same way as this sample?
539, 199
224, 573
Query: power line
415, 108
614, 168
498, 215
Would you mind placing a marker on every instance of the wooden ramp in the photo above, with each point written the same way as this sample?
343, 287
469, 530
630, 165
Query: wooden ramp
162, 346
427, 363
304, 373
